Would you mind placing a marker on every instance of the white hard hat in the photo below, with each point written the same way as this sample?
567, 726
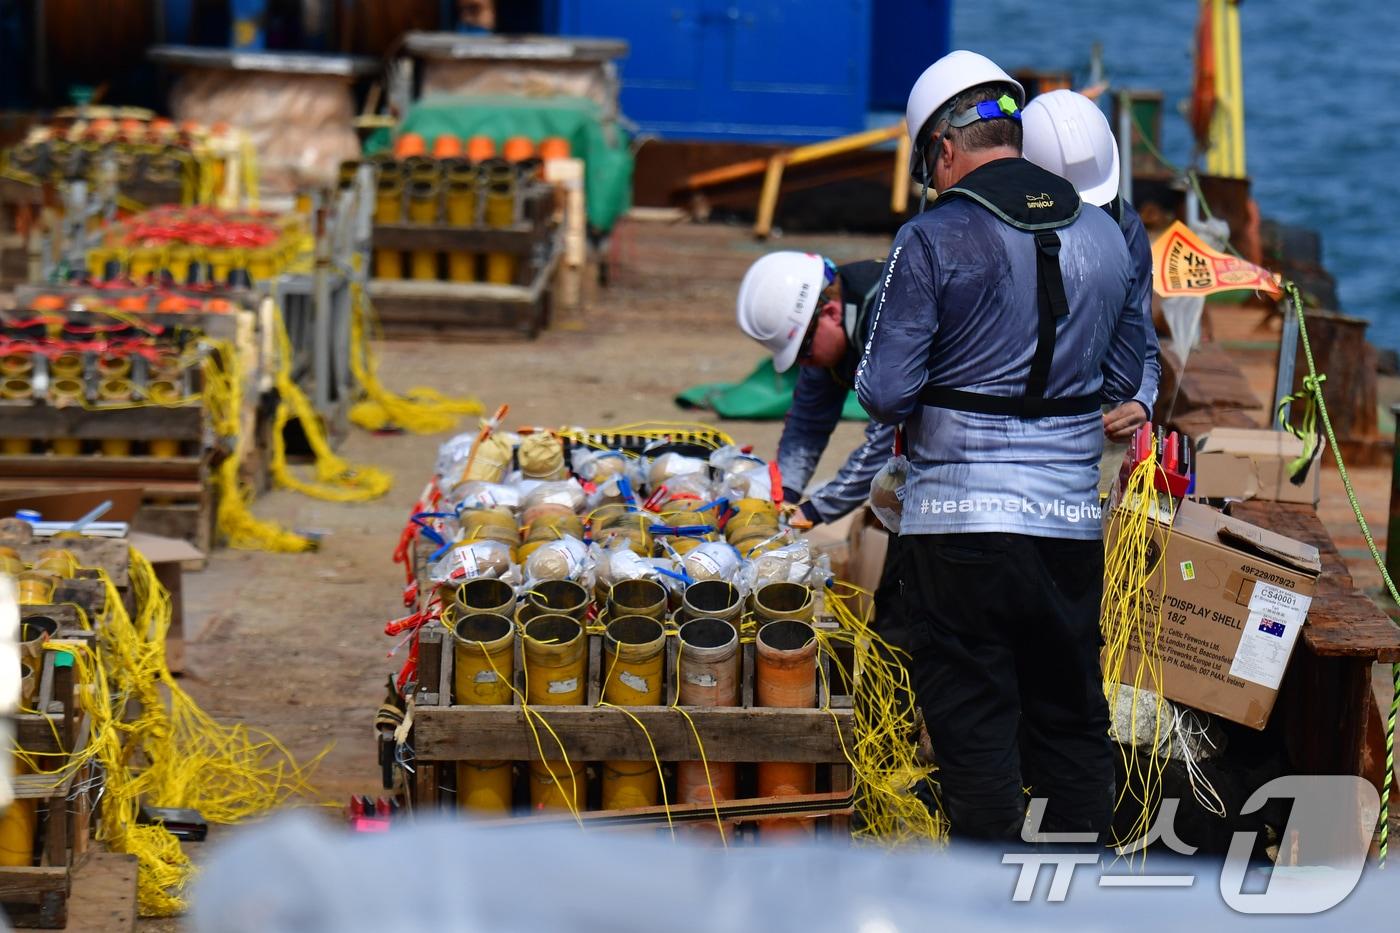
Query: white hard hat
1067, 134
776, 301
945, 79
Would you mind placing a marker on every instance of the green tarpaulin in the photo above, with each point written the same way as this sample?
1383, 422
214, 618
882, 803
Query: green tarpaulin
764, 396
604, 150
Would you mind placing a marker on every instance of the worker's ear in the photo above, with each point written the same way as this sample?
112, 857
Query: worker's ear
832, 310
945, 151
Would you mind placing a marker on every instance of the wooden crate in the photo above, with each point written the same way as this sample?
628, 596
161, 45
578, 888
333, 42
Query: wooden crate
177, 496
472, 310
444, 734
37, 895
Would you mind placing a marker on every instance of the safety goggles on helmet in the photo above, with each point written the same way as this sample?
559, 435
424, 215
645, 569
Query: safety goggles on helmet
1003, 108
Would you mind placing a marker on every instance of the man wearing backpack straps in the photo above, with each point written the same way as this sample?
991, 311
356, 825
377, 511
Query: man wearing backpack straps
1007, 316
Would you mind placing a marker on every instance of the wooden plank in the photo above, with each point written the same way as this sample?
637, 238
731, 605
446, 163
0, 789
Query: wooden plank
27, 881
110, 554
102, 468
1342, 622
595, 734
189, 521
157, 489
35, 733
517, 240
155, 422
428, 291
104, 894
65, 616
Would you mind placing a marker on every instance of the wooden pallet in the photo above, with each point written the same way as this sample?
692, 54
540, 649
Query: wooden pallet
443, 733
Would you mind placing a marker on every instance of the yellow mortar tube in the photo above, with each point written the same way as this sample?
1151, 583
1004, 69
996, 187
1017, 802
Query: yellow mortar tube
423, 209
461, 212
15, 388
17, 826
556, 674
483, 665
499, 213
633, 655
388, 209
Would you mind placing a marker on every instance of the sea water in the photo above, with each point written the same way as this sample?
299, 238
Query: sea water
1322, 109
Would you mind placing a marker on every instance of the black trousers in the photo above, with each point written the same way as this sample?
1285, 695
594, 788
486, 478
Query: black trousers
1007, 672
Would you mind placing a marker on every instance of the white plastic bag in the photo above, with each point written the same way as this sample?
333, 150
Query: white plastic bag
466, 561
887, 492
565, 559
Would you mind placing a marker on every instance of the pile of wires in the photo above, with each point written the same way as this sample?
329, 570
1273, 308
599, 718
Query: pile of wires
155, 746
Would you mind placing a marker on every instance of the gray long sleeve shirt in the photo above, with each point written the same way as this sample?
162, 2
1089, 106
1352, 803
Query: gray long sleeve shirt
816, 410
1140, 252
959, 310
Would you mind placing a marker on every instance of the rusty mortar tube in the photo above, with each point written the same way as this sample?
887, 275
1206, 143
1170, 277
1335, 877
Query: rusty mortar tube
708, 670
785, 675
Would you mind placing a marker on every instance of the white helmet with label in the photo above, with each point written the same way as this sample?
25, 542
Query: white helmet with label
776, 301
945, 79
1066, 133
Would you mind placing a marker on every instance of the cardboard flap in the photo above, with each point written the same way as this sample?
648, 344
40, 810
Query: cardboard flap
1251, 441
159, 549
1270, 546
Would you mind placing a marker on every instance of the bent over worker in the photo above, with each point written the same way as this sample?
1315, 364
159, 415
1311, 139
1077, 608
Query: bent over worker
1007, 316
808, 311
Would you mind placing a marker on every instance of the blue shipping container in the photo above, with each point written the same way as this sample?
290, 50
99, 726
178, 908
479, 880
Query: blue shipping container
777, 70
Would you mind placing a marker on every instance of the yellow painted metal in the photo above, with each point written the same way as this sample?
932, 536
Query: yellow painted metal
554, 786
484, 786
1226, 155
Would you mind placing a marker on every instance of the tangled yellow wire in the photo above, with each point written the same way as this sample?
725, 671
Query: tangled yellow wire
423, 410
1131, 623
172, 753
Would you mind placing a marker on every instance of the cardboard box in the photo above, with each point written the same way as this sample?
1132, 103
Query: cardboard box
1243, 463
1233, 599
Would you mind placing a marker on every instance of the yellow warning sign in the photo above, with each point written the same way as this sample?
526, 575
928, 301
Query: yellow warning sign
1184, 264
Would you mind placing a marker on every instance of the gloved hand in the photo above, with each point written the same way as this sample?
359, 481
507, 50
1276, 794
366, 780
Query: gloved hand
887, 492
804, 517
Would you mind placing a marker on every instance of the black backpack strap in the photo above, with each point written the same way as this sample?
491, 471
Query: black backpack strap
1052, 305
